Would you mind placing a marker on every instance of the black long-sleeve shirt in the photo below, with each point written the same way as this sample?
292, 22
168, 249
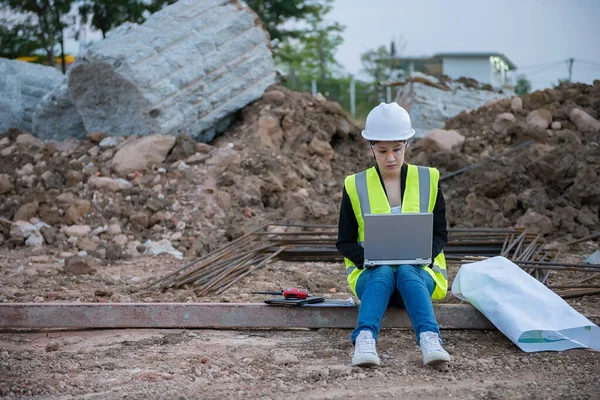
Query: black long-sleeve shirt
347, 242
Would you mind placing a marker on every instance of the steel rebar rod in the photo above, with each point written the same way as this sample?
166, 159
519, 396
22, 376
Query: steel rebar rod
190, 276
202, 290
262, 264
589, 278
579, 293
585, 239
206, 256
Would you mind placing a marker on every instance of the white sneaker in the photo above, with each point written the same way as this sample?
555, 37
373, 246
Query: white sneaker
433, 352
365, 354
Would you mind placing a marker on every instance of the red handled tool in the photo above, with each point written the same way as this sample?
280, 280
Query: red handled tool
289, 293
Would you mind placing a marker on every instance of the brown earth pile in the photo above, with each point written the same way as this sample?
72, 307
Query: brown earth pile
550, 186
284, 160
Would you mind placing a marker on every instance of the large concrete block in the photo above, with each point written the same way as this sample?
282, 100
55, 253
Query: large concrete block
56, 117
186, 70
431, 106
22, 86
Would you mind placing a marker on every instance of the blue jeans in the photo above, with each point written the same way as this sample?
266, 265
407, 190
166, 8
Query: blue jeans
406, 286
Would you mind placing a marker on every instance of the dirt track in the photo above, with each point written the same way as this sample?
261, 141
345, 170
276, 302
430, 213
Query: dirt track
141, 364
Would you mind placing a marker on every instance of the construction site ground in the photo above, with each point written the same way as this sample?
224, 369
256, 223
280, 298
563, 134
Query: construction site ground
177, 364
284, 160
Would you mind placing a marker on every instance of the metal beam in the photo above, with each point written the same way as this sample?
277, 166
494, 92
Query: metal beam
215, 315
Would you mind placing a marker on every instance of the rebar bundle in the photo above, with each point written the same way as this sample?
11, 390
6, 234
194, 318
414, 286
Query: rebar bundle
220, 269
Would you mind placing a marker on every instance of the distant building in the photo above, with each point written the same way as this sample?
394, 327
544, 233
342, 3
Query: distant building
487, 68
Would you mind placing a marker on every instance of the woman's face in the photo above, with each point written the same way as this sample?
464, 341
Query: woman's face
389, 156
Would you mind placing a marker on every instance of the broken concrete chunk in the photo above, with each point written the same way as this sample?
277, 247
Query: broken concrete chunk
77, 211
11, 101
540, 118
503, 122
56, 118
108, 184
142, 154
442, 140
26, 211
535, 223
77, 230
516, 104
431, 103
28, 140
77, 265
109, 142
583, 121
52, 345
23, 86
186, 70
160, 247
6, 183
22, 230
35, 240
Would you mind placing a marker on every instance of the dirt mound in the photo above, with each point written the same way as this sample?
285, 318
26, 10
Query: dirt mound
550, 186
283, 160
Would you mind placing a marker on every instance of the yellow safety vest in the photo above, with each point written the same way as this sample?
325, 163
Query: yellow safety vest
368, 197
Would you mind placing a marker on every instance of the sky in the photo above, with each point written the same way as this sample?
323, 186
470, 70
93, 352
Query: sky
530, 33
538, 36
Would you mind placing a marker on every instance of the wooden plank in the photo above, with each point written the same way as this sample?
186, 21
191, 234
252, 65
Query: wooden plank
215, 315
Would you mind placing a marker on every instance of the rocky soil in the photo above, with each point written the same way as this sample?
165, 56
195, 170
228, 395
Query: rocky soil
549, 186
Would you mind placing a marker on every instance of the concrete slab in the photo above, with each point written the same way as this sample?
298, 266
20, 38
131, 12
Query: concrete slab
215, 315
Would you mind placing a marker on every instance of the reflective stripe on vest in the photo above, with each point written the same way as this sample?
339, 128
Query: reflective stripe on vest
419, 196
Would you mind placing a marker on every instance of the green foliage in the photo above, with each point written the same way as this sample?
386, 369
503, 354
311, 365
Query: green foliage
45, 20
562, 81
380, 63
372, 66
523, 85
17, 36
108, 14
275, 14
312, 55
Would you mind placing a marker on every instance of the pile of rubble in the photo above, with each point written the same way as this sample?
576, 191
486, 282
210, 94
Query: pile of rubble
113, 197
549, 186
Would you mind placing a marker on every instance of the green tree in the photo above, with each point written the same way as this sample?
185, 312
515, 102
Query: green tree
108, 14
523, 85
47, 19
17, 36
312, 55
277, 15
381, 63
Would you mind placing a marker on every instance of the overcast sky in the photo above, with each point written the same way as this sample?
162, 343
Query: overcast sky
528, 32
536, 35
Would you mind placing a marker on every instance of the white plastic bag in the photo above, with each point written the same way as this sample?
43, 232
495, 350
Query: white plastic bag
527, 312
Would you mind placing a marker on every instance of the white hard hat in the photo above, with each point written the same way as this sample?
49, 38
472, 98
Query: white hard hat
388, 122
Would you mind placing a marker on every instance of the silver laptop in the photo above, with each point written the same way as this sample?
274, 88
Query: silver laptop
395, 239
